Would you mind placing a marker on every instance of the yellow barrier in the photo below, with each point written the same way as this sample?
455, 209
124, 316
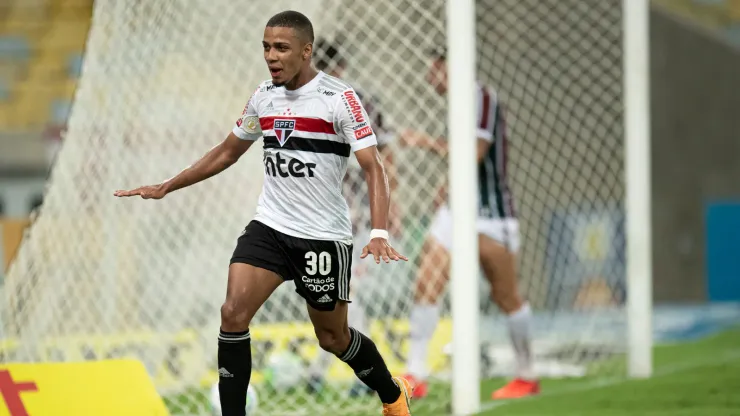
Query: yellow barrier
181, 357
111, 388
11, 234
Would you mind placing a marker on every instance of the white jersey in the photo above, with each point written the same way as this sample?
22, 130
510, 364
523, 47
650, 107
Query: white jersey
309, 134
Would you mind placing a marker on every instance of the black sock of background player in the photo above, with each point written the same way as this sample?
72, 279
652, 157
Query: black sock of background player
234, 371
369, 367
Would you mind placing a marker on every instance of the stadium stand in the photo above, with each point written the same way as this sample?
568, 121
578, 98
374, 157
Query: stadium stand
41, 45
721, 16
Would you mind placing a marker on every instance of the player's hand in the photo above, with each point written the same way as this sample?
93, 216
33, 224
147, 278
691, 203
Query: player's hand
381, 249
146, 192
412, 138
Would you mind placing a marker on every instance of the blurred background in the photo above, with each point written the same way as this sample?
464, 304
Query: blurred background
555, 63
41, 50
695, 58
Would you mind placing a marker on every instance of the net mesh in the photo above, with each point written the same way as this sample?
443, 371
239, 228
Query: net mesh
99, 277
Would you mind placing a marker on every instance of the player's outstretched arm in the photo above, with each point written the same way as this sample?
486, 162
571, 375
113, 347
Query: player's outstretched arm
378, 189
212, 163
413, 138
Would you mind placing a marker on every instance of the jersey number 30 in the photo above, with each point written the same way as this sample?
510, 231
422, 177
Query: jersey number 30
320, 263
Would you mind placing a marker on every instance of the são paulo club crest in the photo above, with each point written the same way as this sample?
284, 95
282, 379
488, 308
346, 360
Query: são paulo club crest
283, 129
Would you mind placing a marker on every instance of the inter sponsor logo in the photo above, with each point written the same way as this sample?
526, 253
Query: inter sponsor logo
284, 168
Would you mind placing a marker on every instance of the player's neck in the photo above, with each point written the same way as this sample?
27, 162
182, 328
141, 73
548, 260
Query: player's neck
303, 78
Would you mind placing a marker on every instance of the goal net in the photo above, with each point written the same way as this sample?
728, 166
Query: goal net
163, 81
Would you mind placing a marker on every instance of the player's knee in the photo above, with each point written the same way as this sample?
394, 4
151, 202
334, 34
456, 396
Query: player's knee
428, 287
507, 301
333, 341
233, 317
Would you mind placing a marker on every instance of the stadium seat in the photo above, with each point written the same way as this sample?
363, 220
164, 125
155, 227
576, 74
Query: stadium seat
734, 6
74, 64
66, 35
14, 48
4, 89
59, 111
732, 33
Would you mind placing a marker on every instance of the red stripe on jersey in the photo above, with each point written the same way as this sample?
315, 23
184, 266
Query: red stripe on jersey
486, 110
309, 125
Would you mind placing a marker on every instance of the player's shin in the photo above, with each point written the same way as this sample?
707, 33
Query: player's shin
234, 371
423, 322
363, 357
519, 323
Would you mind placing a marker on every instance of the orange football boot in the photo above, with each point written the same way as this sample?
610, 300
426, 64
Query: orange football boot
517, 388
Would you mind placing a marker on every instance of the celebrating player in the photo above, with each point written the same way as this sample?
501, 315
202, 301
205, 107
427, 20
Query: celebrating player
498, 240
311, 123
329, 59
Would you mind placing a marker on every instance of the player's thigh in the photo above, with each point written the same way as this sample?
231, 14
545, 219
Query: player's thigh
255, 272
497, 262
433, 272
331, 326
498, 259
247, 290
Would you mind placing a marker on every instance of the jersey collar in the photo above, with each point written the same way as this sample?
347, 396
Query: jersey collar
308, 87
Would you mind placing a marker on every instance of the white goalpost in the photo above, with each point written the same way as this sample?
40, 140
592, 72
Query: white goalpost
164, 80
464, 205
636, 22
636, 76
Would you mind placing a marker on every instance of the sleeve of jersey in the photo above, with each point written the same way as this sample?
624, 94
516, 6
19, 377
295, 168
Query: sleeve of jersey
248, 125
383, 134
486, 120
353, 122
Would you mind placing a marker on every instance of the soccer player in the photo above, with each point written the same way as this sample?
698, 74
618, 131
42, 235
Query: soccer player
329, 59
311, 123
498, 240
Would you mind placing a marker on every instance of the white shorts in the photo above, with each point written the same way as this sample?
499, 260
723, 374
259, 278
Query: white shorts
503, 230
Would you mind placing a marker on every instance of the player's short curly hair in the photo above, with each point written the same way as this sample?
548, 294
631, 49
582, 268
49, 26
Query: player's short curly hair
295, 20
328, 55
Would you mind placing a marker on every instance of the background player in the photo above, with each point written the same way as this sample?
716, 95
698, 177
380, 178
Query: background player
329, 59
498, 239
302, 232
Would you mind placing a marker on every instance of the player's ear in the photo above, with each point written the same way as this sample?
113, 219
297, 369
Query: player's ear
307, 51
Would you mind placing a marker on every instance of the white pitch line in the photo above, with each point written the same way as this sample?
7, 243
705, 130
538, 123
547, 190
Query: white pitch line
727, 356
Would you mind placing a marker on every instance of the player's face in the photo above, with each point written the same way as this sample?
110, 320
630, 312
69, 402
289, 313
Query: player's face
437, 76
285, 53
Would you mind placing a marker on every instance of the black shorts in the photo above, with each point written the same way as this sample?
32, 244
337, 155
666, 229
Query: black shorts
320, 269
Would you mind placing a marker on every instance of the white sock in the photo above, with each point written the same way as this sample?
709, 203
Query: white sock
321, 364
356, 316
519, 324
423, 322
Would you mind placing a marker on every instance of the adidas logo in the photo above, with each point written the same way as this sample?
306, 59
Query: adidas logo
324, 299
269, 106
364, 373
222, 372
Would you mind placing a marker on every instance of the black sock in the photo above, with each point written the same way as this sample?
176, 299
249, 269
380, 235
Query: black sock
363, 356
234, 370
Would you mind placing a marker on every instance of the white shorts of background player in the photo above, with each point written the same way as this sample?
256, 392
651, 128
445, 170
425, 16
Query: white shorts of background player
503, 230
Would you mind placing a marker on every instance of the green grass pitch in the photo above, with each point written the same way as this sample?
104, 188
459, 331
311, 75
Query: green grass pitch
699, 378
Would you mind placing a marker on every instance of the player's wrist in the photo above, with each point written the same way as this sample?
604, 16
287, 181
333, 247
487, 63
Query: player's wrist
167, 186
379, 233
